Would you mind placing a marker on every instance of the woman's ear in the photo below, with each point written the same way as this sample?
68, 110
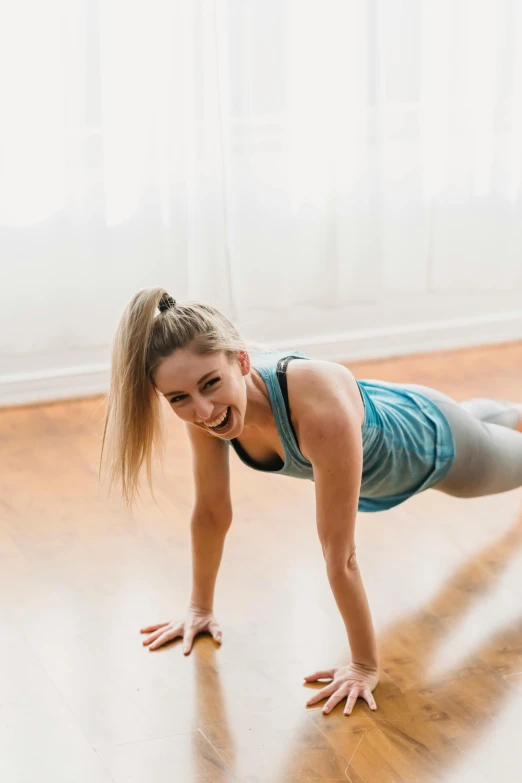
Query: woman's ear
244, 362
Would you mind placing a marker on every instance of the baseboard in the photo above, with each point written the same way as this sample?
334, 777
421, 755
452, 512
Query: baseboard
85, 381
52, 385
389, 341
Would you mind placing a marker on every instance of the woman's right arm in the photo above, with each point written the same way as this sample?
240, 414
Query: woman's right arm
211, 519
208, 539
212, 513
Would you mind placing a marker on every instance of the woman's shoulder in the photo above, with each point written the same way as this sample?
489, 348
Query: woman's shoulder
318, 384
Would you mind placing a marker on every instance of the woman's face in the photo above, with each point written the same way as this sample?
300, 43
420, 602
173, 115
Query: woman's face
207, 390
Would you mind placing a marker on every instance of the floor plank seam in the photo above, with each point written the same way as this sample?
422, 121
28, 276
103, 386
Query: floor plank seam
216, 750
153, 739
353, 754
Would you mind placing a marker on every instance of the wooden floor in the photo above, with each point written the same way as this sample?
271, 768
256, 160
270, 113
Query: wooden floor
82, 701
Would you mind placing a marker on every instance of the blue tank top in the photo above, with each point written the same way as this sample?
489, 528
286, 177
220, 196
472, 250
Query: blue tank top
408, 444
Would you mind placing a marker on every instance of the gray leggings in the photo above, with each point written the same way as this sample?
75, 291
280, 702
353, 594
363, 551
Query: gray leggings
488, 449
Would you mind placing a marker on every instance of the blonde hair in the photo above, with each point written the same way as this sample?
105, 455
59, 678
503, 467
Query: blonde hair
142, 340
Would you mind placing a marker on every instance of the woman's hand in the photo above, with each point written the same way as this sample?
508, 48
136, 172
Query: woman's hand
196, 621
348, 682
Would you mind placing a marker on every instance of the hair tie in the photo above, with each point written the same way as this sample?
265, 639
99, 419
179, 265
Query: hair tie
166, 302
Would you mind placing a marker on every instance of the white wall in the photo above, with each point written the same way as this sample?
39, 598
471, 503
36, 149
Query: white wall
359, 197
60, 349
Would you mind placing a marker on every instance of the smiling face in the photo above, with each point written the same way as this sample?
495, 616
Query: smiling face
207, 390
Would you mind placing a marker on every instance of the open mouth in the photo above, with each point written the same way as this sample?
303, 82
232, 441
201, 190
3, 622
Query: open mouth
224, 424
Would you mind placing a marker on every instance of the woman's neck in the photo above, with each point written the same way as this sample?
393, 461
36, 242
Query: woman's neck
258, 415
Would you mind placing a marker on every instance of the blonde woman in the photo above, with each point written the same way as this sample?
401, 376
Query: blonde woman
367, 445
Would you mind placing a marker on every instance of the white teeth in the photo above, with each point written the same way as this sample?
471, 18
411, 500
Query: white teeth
219, 420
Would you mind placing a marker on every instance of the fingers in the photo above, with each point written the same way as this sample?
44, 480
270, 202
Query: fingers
165, 632
215, 630
350, 701
355, 693
212, 628
153, 637
321, 694
337, 694
163, 639
320, 675
152, 627
333, 701
367, 694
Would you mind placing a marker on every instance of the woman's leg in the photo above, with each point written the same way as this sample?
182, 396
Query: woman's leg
488, 448
507, 414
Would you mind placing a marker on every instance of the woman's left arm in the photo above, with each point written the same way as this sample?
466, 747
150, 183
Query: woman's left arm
330, 436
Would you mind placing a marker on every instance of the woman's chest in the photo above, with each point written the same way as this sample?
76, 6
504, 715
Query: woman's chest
266, 448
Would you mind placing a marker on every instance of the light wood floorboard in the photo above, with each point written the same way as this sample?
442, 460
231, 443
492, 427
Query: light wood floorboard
82, 701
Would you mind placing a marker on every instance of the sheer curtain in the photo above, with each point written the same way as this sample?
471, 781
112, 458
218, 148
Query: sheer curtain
255, 153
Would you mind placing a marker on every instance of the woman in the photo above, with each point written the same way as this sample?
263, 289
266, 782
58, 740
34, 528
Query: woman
367, 445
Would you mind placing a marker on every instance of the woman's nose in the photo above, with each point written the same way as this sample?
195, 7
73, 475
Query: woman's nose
203, 409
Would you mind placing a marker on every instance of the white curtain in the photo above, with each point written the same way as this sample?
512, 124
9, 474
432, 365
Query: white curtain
256, 154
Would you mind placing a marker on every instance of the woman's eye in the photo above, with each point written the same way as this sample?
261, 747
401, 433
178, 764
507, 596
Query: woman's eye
182, 396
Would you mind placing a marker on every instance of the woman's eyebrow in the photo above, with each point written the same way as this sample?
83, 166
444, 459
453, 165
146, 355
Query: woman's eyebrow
200, 381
